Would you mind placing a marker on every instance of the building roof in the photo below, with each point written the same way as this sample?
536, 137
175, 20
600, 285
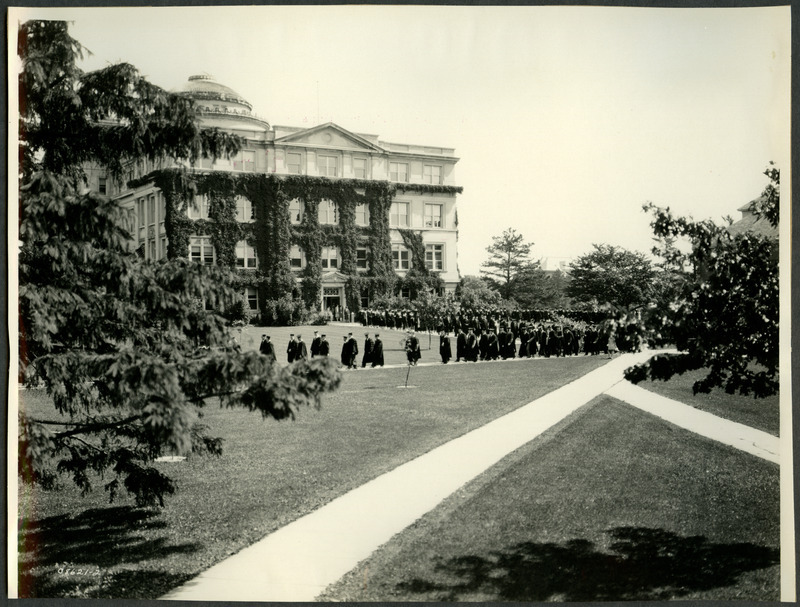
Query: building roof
204, 86
751, 222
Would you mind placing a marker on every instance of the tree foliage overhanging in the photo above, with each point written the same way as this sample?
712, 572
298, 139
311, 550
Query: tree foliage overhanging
124, 347
725, 316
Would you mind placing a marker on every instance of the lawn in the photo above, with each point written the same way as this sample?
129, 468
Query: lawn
760, 413
271, 473
612, 504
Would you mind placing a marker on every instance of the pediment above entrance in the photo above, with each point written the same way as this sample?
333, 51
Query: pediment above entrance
333, 278
329, 135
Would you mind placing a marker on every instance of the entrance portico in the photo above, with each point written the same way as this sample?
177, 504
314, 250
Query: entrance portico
332, 295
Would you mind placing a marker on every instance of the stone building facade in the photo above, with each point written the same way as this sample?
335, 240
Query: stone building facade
333, 216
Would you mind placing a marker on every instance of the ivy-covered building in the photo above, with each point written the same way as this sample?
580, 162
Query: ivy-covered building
321, 214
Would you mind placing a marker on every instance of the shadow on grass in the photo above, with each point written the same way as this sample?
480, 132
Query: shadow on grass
643, 564
61, 553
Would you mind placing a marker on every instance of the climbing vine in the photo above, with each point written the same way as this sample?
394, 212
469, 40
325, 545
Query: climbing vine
272, 233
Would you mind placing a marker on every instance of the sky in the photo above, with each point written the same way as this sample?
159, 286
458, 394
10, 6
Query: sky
566, 120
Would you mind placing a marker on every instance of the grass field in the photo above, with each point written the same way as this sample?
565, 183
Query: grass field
271, 473
762, 413
611, 505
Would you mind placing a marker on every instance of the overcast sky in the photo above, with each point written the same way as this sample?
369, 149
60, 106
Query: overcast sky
566, 119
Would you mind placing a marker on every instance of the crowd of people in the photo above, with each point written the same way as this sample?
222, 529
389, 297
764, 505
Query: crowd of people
462, 319
320, 346
473, 344
543, 339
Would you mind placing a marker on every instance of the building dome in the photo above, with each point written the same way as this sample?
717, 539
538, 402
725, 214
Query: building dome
203, 86
220, 105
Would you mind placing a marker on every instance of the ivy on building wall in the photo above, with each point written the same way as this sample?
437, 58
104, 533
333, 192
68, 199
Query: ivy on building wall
272, 234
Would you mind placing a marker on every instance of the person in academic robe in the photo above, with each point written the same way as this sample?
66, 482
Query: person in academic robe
368, 348
502, 342
472, 346
483, 344
413, 353
300, 349
345, 351
494, 347
267, 348
324, 346
377, 352
291, 349
315, 344
352, 351
444, 347
523, 342
461, 346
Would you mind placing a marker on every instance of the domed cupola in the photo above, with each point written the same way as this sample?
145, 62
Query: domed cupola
221, 106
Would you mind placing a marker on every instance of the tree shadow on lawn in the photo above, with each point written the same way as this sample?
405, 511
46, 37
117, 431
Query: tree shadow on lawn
87, 546
643, 564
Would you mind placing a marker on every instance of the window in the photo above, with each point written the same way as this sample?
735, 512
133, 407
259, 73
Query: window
360, 168
294, 162
398, 171
365, 298
244, 209
101, 185
327, 212
398, 215
330, 258
327, 165
405, 293
295, 210
252, 298
140, 206
362, 255
434, 256
433, 216
401, 257
163, 247
431, 173
297, 259
201, 250
362, 215
151, 209
246, 256
244, 161
198, 210
151, 249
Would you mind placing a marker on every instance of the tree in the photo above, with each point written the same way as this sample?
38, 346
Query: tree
508, 256
124, 347
474, 293
611, 275
535, 288
725, 316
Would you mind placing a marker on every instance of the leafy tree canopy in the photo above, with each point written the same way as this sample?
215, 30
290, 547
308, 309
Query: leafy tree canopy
475, 293
124, 347
509, 255
611, 275
725, 313
535, 288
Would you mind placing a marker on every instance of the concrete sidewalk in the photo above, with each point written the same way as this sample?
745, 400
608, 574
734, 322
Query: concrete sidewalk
297, 562
737, 435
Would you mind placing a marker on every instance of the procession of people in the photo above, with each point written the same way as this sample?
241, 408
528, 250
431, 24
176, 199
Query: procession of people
473, 344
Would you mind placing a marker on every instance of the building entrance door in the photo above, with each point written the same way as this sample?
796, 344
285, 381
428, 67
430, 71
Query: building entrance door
332, 301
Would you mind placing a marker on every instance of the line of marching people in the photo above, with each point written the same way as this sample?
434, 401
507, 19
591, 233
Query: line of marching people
320, 346
540, 340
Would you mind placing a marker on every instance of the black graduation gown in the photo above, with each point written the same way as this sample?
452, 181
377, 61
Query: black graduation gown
444, 349
377, 353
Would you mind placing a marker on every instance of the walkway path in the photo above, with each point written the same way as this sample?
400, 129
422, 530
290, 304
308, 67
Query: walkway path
755, 442
297, 562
